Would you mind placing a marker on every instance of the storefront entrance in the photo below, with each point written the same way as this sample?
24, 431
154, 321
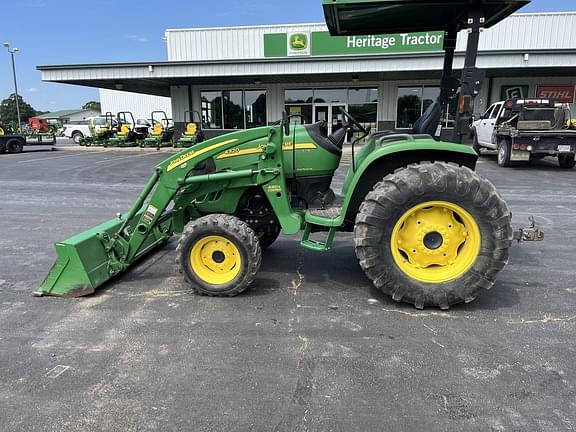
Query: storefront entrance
330, 113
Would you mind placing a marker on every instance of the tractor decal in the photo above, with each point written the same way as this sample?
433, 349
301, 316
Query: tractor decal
299, 41
235, 152
185, 158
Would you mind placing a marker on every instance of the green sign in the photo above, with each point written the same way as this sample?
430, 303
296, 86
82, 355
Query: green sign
323, 44
513, 91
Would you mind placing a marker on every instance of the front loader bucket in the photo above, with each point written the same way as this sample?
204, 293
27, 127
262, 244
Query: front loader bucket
82, 264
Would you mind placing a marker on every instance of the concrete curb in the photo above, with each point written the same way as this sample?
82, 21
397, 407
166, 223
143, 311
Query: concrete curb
95, 149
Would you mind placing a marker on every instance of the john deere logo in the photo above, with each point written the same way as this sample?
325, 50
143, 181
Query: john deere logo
299, 41
299, 44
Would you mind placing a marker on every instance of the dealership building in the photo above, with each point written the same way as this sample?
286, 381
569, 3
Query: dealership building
243, 77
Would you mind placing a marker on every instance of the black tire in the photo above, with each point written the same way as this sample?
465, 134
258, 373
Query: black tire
77, 137
566, 160
504, 153
394, 196
14, 146
475, 145
234, 231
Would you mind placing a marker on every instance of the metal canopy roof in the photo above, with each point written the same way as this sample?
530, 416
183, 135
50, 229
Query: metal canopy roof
364, 17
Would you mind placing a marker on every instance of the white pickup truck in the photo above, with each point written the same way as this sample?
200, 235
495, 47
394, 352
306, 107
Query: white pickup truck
77, 130
526, 129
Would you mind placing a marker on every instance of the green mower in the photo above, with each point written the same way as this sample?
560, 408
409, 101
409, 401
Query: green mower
101, 130
162, 133
427, 229
193, 133
125, 135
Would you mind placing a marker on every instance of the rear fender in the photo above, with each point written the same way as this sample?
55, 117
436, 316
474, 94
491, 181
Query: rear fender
385, 160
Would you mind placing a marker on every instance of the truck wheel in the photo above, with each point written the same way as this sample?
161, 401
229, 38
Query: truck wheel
433, 235
504, 153
77, 137
14, 146
219, 255
566, 160
475, 144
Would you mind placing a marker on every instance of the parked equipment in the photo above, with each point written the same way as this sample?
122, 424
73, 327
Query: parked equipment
427, 233
193, 134
40, 131
162, 133
101, 129
125, 134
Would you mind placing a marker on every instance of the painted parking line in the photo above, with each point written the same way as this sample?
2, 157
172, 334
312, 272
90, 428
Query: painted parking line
112, 160
50, 158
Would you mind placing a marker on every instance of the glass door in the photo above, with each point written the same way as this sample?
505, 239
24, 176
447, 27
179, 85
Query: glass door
330, 113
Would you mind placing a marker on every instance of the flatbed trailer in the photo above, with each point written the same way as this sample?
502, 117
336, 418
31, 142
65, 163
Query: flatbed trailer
16, 143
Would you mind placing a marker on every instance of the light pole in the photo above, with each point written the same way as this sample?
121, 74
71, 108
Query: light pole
12, 52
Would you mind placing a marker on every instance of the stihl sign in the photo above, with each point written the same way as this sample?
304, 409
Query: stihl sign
564, 94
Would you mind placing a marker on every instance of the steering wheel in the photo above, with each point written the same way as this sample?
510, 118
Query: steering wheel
353, 121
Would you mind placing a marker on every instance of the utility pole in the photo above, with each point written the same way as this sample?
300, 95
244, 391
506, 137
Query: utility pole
12, 52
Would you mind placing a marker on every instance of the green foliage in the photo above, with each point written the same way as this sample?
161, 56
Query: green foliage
92, 105
8, 112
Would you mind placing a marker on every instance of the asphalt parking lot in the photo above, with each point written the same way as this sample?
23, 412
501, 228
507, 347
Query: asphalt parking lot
310, 347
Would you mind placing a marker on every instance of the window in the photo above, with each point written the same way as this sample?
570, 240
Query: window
413, 101
362, 103
495, 111
234, 109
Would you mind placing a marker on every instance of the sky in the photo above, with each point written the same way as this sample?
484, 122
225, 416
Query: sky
54, 32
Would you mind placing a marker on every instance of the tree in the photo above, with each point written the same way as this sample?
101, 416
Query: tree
8, 112
92, 105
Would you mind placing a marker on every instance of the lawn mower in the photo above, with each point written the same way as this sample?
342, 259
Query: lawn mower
427, 229
194, 132
101, 130
161, 134
125, 135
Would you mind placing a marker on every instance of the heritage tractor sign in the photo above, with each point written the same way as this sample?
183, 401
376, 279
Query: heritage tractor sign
323, 44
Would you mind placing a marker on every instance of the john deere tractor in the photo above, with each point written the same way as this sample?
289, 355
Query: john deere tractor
427, 229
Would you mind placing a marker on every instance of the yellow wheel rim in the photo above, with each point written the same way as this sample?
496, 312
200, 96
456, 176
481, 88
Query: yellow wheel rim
435, 242
2, 131
215, 260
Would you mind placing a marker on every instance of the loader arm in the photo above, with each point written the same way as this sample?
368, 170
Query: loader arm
173, 196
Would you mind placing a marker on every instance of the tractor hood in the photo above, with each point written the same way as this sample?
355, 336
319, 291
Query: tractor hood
363, 17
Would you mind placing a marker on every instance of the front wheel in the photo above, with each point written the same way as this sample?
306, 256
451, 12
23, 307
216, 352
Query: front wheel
566, 160
433, 235
219, 255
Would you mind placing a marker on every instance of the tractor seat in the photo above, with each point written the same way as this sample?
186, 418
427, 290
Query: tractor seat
332, 143
124, 130
157, 130
191, 129
428, 122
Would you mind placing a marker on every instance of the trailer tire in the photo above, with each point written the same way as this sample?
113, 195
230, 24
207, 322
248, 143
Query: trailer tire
504, 153
219, 255
14, 145
77, 137
566, 160
454, 224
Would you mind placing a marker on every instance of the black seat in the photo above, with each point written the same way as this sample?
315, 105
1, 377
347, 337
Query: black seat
428, 122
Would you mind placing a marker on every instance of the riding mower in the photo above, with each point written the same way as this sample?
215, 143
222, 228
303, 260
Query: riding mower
161, 134
101, 130
193, 133
427, 229
125, 135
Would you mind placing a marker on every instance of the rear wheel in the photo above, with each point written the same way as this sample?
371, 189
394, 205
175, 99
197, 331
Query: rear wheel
433, 235
219, 255
504, 153
77, 137
566, 160
14, 146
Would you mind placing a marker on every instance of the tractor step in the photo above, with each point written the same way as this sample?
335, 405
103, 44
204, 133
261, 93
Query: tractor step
317, 245
328, 212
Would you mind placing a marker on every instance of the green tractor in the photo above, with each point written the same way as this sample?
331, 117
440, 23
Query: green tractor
427, 229
193, 133
162, 133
